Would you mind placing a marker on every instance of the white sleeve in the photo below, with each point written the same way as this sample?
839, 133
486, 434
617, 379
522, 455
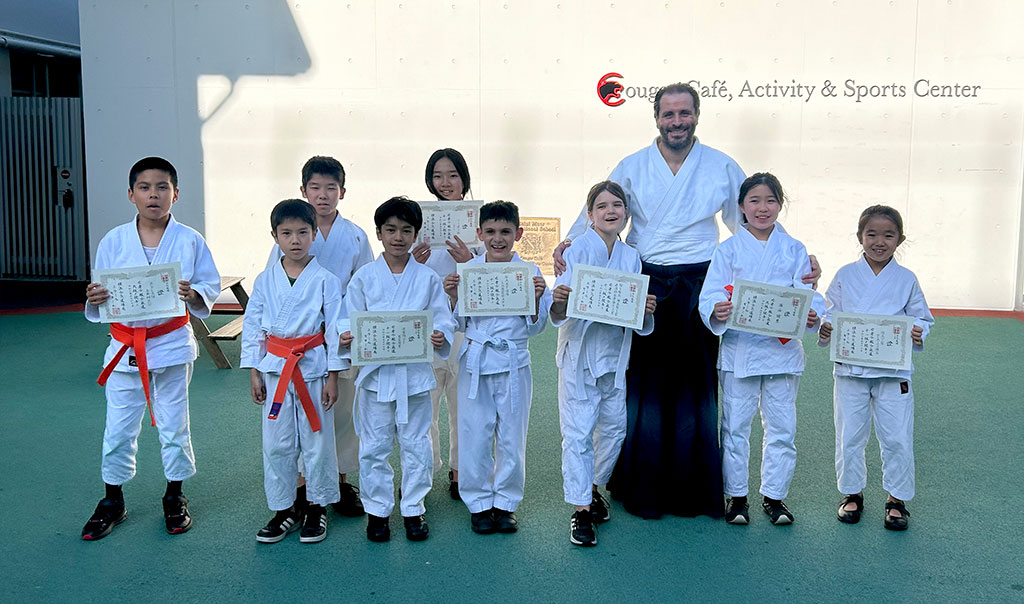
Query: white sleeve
713, 291
254, 340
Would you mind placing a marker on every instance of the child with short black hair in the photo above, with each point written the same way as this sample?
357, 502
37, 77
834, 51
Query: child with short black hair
341, 247
496, 386
876, 284
393, 400
294, 308
157, 371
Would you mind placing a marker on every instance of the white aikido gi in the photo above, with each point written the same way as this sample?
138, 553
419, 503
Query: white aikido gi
592, 359
345, 249
395, 399
757, 370
169, 356
446, 371
672, 216
297, 310
886, 395
495, 392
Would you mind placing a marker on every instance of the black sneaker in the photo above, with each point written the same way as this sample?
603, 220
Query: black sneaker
582, 530
176, 515
599, 508
453, 486
505, 520
483, 523
109, 513
377, 528
777, 511
416, 528
314, 527
349, 505
737, 510
284, 522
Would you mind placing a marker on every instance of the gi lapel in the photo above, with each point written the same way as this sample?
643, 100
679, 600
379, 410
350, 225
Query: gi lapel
679, 181
875, 285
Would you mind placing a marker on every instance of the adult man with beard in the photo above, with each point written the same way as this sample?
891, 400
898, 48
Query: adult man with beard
670, 461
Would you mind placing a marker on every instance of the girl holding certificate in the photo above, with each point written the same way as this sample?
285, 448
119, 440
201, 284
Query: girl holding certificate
757, 371
447, 178
876, 284
592, 360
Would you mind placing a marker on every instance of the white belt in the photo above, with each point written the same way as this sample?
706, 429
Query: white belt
477, 340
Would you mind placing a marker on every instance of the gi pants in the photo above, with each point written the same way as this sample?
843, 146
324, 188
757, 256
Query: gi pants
346, 443
776, 397
378, 429
446, 372
289, 439
890, 403
493, 422
126, 406
592, 432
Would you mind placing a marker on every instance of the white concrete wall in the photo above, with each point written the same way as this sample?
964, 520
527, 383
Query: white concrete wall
239, 94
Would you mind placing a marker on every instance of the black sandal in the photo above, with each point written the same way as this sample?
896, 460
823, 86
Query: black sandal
896, 523
850, 516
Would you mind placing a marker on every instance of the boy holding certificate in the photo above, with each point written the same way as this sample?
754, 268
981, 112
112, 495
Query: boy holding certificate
393, 399
592, 359
294, 309
758, 370
876, 284
495, 383
341, 247
158, 367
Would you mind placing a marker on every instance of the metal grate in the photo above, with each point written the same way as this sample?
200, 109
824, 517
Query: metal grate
42, 197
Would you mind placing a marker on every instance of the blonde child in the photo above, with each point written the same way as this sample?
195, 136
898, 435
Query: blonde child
592, 360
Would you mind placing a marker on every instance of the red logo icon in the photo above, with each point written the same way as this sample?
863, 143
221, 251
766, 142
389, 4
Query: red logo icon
610, 91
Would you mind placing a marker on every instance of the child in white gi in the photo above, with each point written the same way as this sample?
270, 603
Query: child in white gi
157, 371
341, 247
294, 309
496, 386
394, 399
592, 360
447, 178
876, 284
755, 370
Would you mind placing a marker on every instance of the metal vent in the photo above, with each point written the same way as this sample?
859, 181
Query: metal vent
42, 197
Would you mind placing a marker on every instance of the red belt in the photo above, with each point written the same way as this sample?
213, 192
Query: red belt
135, 337
294, 349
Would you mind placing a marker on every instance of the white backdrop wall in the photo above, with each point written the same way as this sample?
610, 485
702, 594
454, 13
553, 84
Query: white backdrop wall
239, 94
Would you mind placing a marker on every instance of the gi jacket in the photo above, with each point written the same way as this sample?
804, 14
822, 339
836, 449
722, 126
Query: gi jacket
122, 248
782, 260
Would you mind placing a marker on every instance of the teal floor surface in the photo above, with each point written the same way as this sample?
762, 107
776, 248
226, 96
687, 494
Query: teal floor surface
965, 544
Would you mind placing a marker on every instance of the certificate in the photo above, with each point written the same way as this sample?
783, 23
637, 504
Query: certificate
443, 220
140, 293
391, 337
540, 236
872, 340
608, 296
496, 289
769, 310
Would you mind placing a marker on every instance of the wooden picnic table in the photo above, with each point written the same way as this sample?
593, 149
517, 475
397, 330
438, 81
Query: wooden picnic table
229, 331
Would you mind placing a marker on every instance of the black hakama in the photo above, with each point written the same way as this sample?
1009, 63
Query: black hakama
671, 462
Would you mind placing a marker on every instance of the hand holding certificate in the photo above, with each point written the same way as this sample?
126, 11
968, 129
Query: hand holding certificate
443, 220
391, 337
140, 293
608, 296
872, 340
496, 289
769, 310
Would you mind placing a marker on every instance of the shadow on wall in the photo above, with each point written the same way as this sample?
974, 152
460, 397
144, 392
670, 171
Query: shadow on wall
218, 45
142, 68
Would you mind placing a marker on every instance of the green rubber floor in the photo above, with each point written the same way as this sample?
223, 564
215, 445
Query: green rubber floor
965, 544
